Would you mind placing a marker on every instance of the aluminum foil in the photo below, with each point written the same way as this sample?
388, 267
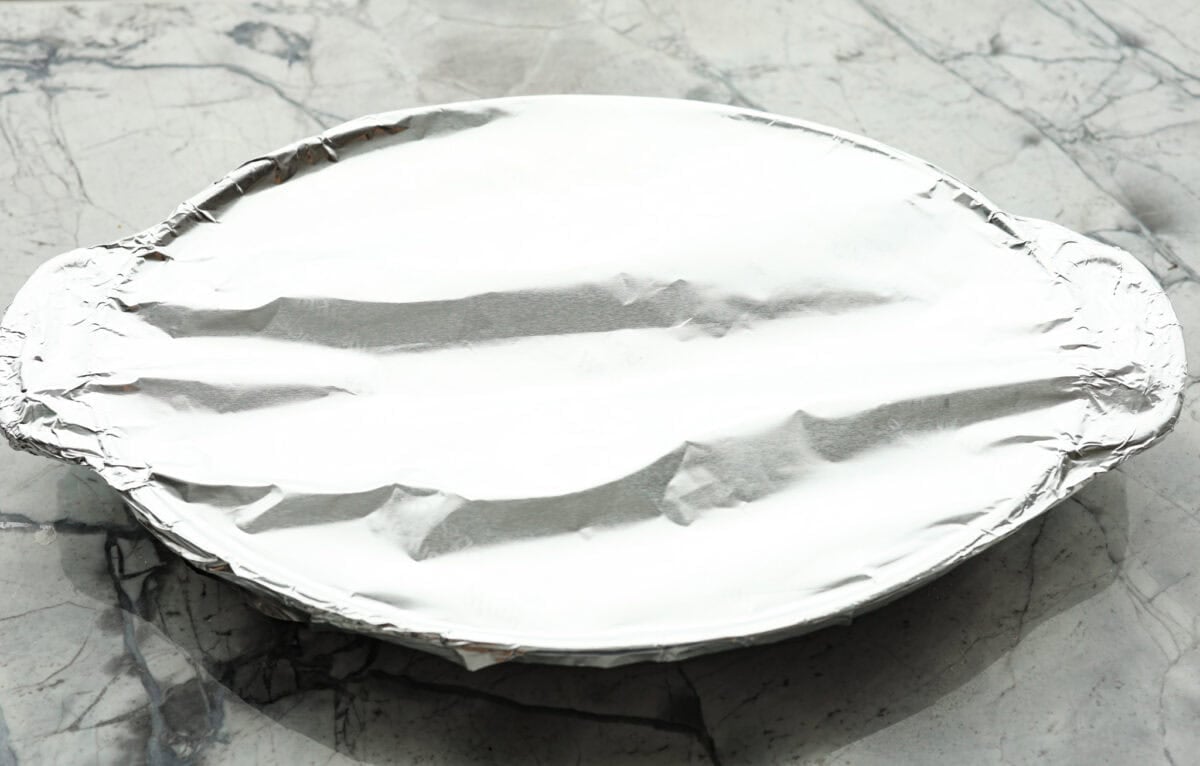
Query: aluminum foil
588, 380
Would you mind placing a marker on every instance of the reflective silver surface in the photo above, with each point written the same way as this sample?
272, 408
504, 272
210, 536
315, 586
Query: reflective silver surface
589, 380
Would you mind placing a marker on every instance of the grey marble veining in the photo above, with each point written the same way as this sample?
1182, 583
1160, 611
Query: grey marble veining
1075, 641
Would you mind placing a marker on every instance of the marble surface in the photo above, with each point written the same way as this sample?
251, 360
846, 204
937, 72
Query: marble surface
1075, 641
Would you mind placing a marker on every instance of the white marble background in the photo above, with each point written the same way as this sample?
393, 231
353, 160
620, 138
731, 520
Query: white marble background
1075, 642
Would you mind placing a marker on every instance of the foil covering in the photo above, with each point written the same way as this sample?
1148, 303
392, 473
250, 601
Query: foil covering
588, 380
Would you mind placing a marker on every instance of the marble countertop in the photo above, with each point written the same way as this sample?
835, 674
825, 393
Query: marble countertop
1075, 641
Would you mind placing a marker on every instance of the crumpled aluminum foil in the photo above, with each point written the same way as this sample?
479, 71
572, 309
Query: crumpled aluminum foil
588, 380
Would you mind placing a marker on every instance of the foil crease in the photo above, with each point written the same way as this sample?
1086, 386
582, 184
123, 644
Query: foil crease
588, 380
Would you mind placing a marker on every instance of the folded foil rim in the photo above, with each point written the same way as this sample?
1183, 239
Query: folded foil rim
285, 601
